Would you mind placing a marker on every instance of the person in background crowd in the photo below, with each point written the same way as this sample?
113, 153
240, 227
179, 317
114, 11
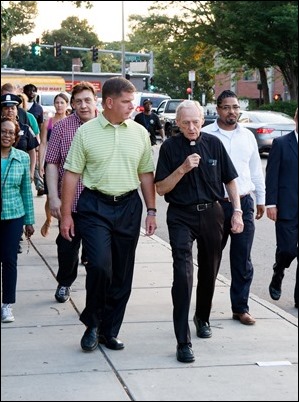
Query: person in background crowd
32, 120
243, 151
282, 205
27, 142
16, 210
9, 88
30, 91
150, 121
113, 155
191, 170
60, 103
83, 101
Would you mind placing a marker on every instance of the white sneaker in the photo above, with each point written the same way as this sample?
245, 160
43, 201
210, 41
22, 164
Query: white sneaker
6, 313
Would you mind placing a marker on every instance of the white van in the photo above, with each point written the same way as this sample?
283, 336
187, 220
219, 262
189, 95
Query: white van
46, 100
155, 98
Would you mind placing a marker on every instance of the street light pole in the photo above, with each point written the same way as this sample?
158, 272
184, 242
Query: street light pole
123, 52
73, 71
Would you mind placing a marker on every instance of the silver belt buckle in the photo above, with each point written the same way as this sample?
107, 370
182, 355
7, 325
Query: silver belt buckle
115, 198
198, 208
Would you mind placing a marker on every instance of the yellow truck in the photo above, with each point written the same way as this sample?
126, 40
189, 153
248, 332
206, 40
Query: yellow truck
43, 83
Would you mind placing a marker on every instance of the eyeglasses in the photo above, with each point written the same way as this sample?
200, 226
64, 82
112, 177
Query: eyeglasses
227, 108
8, 133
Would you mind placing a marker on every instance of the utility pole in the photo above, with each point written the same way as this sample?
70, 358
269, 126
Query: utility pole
123, 53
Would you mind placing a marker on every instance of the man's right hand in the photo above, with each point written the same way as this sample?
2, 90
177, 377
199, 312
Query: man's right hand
67, 227
54, 205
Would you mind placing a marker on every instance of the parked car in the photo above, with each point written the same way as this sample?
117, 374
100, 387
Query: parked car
166, 112
209, 119
266, 125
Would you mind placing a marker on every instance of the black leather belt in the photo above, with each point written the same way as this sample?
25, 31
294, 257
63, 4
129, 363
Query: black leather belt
228, 200
114, 198
196, 207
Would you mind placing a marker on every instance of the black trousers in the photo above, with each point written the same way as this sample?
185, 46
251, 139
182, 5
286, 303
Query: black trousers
11, 231
240, 254
206, 227
110, 232
287, 247
68, 256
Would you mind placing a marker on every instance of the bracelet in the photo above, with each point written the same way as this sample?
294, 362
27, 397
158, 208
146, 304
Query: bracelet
151, 213
151, 209
238, 210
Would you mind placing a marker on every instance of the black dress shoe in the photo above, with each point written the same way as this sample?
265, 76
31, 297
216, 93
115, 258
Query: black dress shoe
111, 343
184, 353
275, 285
90, 339
203, 329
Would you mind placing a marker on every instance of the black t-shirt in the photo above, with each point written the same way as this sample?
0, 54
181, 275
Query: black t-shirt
151, 122
27, 141
203, 184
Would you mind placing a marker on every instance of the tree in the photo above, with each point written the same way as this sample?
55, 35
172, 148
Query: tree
73, 33
17, 18
256, 34
174, 55
259, 34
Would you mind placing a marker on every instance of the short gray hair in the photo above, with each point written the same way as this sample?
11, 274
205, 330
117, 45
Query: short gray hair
187, 104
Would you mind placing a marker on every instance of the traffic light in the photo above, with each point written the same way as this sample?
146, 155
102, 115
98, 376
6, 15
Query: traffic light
95, 53
277, 97
145, 80
35, 48
152, 86
57, 49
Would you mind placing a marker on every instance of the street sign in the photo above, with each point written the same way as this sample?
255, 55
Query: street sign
191, 75
133, 59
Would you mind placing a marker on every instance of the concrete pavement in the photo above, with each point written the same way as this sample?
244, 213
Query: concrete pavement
41, 358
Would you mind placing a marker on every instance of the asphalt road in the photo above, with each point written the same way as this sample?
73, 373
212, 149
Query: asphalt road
263, 252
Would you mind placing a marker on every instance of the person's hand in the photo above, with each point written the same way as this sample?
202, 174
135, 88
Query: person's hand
260, 209
237, 223
191, 162
29, 230
67, 227
41, 170
150, 225
54, 205
272, 213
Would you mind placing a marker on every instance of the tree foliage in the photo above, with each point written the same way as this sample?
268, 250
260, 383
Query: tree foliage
175, 54
256, 34
72, 33
17, 18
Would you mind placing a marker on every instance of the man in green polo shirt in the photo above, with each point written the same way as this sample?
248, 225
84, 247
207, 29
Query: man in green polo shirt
113, 155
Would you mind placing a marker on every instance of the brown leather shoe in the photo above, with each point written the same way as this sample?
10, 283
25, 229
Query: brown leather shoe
244, 318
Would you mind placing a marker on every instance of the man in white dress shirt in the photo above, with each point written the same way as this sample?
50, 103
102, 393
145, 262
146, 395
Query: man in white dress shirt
242, 148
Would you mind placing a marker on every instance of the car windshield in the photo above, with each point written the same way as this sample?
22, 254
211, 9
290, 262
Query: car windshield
155, 100
271, 118
48, 100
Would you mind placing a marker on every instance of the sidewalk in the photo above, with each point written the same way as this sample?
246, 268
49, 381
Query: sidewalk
42, 359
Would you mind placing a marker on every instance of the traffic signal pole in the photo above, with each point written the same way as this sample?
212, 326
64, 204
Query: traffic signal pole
88, 49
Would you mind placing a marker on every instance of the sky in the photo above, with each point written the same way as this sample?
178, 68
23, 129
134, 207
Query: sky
105, 17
